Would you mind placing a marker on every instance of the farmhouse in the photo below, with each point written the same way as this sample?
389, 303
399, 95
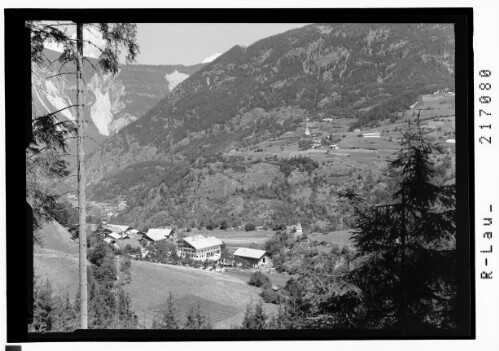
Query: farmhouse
327, 119
121, 230
200, 248
113, 235
157, 234
256, 258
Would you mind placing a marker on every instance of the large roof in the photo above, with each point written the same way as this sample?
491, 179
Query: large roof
157, 234
200, 242
114, 235
249, 253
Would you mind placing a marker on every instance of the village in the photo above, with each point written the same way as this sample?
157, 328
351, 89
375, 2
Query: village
183, 247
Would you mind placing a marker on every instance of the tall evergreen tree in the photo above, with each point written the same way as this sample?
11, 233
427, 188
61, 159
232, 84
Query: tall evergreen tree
406, 249
255, 317
195, 319
44, 311
168, 319
117, 36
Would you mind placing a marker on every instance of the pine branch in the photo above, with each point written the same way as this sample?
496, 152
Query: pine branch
60, 74
62, 109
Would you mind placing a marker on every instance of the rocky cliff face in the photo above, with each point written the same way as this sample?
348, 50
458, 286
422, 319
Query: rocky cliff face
111, 102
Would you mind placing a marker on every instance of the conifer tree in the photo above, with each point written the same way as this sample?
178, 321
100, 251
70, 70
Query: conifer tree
117, 36
67, 319
195, 319
44, 312
168, 319
406, 249
255, 317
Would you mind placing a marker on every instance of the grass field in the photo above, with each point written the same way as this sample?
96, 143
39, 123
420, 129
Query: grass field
57, 259
55, 237
221, 296
341, 238
278, 279
240, 238
59, 268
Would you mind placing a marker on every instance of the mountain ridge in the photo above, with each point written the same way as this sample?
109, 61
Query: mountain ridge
281, 72
111, 102
225, 142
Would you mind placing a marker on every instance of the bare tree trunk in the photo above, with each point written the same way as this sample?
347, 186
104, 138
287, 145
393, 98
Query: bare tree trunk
81, 178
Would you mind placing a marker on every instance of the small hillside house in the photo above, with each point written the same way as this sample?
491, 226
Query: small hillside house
113, 235
297, 230
157, 234
256, 258
200, 248
121, 230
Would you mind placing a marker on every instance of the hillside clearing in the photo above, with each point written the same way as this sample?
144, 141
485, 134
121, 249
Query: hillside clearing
222, 297
341, 238
237, 238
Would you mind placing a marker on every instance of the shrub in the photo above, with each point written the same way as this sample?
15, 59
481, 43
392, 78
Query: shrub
259, 279
224, 225
279, 227
249, 227
270, 296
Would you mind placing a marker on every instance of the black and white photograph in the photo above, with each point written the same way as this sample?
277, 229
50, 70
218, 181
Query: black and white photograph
229, 175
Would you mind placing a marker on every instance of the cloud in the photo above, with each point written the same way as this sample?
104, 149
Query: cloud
211, 58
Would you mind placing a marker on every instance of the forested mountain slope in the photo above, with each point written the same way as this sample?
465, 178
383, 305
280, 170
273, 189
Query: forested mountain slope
178, 162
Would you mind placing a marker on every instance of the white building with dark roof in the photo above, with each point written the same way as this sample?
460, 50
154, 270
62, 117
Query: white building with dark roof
253, 257
200, 248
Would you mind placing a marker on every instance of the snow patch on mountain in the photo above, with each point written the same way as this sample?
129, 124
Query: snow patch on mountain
175, 78
211, 58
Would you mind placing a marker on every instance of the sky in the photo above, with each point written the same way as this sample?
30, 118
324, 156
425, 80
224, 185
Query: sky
191, 43
182, 43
